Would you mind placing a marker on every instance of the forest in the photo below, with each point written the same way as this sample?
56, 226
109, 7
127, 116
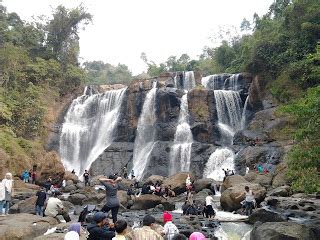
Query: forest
39, 64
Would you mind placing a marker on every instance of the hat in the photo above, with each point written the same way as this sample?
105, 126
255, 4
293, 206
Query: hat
99, 216
167, 217
197, 236
112, 176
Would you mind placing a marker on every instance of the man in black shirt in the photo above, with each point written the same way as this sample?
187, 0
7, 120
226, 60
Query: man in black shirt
86, 177
42, 196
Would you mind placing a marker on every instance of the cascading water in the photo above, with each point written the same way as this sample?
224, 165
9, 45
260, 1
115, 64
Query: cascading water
232, 83
183, 139
244, 116
228, 104
219, 159
215, 82
88, 128
185, 80
144, 141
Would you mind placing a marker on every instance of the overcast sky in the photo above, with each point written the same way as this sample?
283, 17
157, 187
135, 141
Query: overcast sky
122, 29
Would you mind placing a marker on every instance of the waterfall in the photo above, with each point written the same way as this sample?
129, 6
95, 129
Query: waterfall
228, 104
185, 80
144, 140
214, 82
88, 128
232, 83
220, 159
181, 149
189, 81
243, 116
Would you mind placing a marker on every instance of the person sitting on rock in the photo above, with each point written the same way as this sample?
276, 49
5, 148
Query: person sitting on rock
249, 200
41, 198
86, 176
147, 231
101, 229
169, 228
55, 208
74, 232
121, 228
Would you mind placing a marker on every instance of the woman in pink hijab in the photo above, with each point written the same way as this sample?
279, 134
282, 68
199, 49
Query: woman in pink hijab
197, 236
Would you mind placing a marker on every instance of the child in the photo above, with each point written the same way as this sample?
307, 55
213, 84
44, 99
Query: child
121, 230
169, 228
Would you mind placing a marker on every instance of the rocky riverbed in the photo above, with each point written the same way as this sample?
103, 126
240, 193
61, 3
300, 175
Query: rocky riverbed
280, 213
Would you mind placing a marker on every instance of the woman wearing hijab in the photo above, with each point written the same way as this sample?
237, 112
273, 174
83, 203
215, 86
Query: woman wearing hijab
6, 192
197, 236
74, 232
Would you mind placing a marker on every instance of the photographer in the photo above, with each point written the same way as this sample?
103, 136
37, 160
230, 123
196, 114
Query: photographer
101, 228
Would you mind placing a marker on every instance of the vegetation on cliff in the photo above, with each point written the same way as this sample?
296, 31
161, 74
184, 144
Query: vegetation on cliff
39, 64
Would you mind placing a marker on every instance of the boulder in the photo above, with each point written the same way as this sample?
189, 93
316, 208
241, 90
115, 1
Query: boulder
281, 231
146, 201
231, 181
155, 178
264, 179
25, 206
178, 182
24, 226
70, 176
283, 191
264, 215
204, 183
77, 198
228, 199
70, 188
52, 167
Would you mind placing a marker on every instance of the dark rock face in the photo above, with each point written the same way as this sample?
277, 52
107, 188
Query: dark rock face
252, 155
281, 230
113, 159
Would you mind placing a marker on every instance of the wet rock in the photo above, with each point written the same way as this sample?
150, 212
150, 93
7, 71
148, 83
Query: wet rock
280, 231
264, 215
178, 182
228, 199
283, 191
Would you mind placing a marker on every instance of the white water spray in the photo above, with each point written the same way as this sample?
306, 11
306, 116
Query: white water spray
88, 128
181, 149
144, 141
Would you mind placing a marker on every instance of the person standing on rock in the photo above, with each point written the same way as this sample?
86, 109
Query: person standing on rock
41, 198
86, 177
209, 206
113, 204
6, 193
249, 200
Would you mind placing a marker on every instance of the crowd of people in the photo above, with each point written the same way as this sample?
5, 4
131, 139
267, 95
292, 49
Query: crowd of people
99, 227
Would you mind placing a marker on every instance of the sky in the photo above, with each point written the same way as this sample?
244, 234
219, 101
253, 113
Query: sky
123, 29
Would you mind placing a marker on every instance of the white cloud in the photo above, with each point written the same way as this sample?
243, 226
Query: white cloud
122, 29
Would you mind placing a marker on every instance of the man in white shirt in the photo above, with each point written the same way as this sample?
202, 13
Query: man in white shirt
55, 208
209, 206
249, 200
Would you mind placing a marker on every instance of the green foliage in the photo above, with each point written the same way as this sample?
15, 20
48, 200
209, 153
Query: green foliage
98, 72
304, 158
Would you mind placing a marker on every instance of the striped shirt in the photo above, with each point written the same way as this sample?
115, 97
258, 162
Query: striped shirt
146, 233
